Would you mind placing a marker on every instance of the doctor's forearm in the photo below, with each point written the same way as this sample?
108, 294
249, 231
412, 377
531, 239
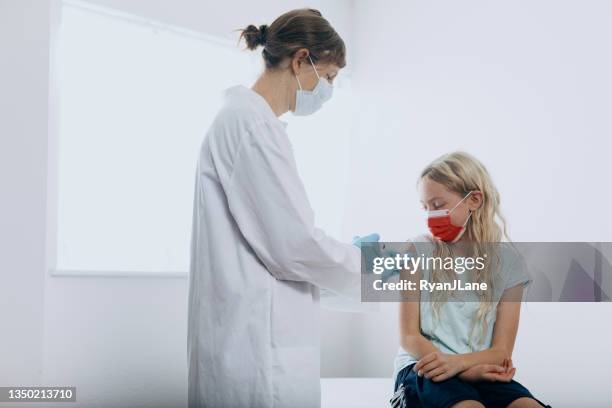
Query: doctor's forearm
326, 263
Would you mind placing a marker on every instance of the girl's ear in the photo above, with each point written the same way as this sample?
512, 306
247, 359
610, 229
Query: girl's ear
475, 200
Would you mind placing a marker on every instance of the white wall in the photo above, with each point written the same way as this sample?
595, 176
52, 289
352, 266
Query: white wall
221, 19
24, 71
525, 87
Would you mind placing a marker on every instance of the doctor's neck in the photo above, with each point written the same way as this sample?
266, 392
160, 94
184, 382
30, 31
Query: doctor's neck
275, 87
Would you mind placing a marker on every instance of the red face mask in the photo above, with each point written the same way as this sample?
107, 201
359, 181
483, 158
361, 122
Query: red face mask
441, 227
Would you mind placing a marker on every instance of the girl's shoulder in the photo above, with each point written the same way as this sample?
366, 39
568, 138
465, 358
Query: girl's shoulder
421, 244
421, 238
513, 266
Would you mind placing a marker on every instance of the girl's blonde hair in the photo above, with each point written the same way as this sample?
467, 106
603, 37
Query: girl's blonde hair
462, 173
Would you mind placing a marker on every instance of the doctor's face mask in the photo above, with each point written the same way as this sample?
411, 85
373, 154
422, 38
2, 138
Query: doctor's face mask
308, 102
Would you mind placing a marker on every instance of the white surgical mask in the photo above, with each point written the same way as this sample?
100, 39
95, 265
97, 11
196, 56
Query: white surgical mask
308, 102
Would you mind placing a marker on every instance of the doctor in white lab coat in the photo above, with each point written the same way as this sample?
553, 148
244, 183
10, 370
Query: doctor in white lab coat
258, 263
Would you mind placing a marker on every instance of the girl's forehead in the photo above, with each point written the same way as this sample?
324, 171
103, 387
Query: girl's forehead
430, 188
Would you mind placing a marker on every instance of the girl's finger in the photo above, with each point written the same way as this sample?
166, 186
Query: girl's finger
440, 377
429, 357
493, 368
506, 377
435, 373
489, 367
430, 366
490, 377
500, 377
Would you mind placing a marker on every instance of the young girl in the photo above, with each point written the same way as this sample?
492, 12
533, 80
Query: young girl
455, 348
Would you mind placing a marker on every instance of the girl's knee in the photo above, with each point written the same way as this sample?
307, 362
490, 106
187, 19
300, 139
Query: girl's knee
525, 402
468, 404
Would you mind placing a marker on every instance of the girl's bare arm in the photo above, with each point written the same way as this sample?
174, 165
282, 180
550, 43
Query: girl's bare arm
411, 338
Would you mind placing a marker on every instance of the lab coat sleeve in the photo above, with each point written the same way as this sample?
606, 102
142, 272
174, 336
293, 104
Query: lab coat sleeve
268, 201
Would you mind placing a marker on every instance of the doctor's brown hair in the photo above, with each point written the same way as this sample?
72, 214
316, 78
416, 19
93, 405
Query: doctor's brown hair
294, 30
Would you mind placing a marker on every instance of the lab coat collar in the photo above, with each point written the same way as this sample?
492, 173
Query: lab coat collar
244, 92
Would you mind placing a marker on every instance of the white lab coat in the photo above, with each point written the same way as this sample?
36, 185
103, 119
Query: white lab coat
257, 266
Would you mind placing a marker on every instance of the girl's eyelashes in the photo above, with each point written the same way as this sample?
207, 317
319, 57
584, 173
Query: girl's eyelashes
435, 205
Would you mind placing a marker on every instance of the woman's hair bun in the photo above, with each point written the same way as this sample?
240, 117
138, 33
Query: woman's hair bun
292, 31
254, 36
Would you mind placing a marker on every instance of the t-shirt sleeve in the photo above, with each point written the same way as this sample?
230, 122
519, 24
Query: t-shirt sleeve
515, 270
422, 246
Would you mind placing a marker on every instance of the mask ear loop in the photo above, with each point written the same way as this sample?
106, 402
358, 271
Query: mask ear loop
468, 218
463, 228
315, 70
466, 221
460, 201
313, 66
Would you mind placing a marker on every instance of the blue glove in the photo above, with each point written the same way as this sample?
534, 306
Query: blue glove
357, 240
374, 251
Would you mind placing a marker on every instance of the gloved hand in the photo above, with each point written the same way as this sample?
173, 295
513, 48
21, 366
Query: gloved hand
374, 251
357, 240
